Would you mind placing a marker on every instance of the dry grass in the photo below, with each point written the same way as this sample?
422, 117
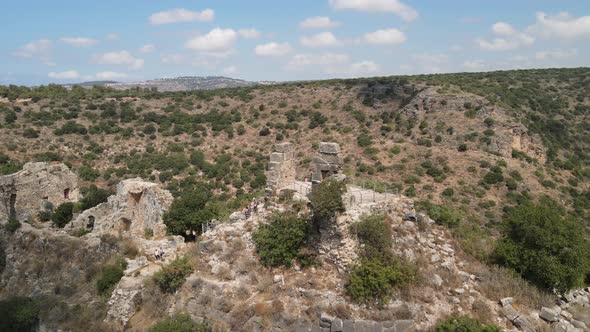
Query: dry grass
497, 283
239, 315
483, 312
154, 301
128, 248
341, 310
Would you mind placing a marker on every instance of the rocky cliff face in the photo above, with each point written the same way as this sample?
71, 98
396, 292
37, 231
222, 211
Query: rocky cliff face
24, 193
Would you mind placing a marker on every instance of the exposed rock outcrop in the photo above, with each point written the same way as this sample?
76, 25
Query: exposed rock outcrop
24, 193
136, 208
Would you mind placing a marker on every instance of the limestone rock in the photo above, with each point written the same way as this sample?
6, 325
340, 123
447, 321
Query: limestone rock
549, 315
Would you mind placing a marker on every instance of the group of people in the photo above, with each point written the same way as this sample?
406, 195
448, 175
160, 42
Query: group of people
251, 208
159, 254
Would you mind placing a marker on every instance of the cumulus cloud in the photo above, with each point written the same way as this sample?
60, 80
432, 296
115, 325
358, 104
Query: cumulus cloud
249, 33
177, 15
78, 41
322, 39
390, 36
148, 48
64, 75
38, 49
299, 61
217, 42
561, 25
231, 70
110, 75
120, 58
396, 7
507, 38
318, 22
272, 49
556, 54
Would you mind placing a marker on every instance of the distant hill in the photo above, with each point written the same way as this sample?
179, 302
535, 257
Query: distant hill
186, 83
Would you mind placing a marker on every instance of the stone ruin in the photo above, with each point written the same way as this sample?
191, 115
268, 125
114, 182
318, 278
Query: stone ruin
136, 208
327, 162
38, 186
281, 168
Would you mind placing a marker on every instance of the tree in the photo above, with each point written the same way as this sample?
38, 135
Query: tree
172, 276
189, 211
545, 247
278, 242
326, 201
92, 196
63, 214
19, 314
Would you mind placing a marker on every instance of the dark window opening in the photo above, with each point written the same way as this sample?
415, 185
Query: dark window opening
90, 223
67, 193
12, 207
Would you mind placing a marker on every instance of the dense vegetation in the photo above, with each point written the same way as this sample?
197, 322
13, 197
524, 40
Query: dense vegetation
172, 276
545, 247
278, 242
464, 323
109, 276
180, 323
326, 201
373, 279
19, 314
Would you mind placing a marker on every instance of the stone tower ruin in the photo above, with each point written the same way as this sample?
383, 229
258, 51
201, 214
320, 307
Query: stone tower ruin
281, 168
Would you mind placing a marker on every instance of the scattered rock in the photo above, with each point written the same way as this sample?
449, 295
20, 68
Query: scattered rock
549, 315
506, 301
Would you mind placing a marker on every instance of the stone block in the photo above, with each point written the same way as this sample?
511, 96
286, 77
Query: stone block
524, 324
405, 325
284, 147
506, 301
510, 312
549, 315
348, 326
327, 159
329, 148
336, 325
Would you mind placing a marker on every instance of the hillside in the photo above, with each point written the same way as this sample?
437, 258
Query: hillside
466, 149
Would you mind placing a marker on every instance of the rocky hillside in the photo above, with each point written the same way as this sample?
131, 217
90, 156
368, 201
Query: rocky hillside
458, 161
187, 83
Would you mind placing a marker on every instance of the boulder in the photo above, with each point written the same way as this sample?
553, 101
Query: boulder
549, 315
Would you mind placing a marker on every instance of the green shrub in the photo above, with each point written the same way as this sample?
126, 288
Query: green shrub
442, 214
110, 276
278, 242
464, 323
373, 280
375, 236
19, 314
180, 323
87, 173
545, 247
172, 276
92, 196
63, 214
326, 201
494, 176
449, 192
189, 211
12, 225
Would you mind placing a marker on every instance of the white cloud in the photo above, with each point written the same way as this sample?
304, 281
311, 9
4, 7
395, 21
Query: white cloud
217, 42
272, 49
64, 75
231, 70
556, 54
39, 49
110, 75
79, 41
181, 15
120, 58
390, 36
396, 7
507, 39
561, 25
318, 22
148, 48
299, 61
173, 59
474, 65
322, 39
249, 33
112, 36
364, 67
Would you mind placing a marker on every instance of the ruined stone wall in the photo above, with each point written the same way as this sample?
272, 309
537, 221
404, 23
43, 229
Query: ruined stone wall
327, 161
281, 168
137, 206
23, 193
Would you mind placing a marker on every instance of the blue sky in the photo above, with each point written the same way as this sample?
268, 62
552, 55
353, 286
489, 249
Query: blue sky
66, 41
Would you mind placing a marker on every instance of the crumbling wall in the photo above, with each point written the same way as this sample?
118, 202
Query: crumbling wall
327, 161
136, 207
23, 193
281, 168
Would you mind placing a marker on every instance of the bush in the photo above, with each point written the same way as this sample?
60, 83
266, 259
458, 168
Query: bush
464, 323
494, 176
92, 196
442, 214
326, 201
180, 323
110, 276
87, 173
264, 132
462, 147
63, 214
189, 211
12, 225
375, 234
372, 281
172, 276
278, 242
19, 314
544, 247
